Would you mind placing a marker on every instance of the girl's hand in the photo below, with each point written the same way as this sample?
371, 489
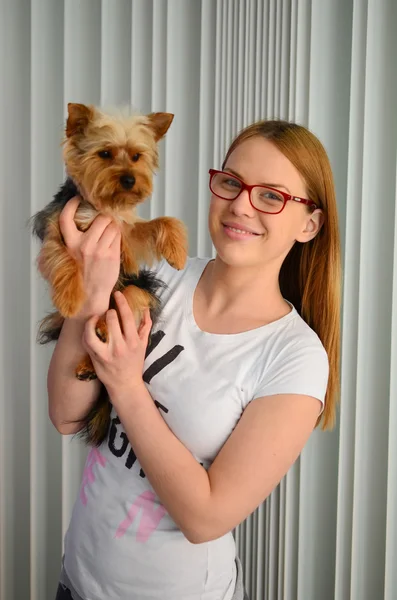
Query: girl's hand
98, 252
119, 362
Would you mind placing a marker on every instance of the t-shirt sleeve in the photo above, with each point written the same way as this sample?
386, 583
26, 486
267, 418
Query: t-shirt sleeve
301, 369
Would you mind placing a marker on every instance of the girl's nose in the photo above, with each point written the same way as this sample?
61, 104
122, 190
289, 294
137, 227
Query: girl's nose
242, 205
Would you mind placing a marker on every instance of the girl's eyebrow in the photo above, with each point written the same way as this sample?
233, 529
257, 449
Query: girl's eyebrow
273, 185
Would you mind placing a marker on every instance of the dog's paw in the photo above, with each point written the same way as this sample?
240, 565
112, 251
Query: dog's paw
175, 242
86, 375
68, 301
85, 370
101, 333
176, 258
67, 288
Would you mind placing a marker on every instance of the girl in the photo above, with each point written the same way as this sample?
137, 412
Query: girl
241, 368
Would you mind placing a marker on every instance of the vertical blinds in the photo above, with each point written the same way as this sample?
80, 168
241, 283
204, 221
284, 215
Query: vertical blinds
329, 530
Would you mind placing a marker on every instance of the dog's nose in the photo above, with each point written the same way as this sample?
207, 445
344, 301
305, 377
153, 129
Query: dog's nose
127, 181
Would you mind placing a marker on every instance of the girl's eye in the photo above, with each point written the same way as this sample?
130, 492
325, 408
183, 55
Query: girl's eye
268, 195
136, 157
106, 154
231, 183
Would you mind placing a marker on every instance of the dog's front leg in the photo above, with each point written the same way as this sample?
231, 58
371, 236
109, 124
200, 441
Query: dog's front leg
62, 272
168, 238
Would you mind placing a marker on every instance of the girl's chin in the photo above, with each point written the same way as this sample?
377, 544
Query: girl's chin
237, 257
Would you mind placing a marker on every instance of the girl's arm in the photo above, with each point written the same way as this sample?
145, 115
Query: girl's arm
206, 505
69, 399
98, 252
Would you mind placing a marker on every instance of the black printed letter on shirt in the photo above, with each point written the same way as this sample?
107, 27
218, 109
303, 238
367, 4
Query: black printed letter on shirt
112, 438
148, 375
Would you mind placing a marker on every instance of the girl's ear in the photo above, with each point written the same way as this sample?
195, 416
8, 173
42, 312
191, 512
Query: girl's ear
313, 225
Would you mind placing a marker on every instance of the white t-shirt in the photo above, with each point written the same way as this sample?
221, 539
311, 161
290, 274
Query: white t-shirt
121, 543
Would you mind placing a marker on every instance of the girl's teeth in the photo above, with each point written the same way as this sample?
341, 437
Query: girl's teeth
240, 231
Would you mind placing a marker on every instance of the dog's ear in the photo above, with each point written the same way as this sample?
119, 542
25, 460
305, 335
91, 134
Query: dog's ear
160, 123
79, 115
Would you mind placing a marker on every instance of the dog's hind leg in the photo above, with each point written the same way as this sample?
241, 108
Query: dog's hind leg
85, 370
138, 300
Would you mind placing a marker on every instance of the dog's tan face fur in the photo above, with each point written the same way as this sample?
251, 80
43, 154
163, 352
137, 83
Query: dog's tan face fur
112, 157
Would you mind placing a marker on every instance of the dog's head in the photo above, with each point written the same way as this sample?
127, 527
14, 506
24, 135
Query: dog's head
112, 157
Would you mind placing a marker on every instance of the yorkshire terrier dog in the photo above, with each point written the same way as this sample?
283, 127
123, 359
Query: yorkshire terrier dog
110, 160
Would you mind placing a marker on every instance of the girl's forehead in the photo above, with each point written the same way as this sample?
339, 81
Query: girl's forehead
258, 160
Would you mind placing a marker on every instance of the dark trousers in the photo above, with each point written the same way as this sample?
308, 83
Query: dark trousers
63, 593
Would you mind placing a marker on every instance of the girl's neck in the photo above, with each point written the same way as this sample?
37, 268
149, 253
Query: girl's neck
241, 290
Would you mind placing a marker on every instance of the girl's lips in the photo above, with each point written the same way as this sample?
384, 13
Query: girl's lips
235, 233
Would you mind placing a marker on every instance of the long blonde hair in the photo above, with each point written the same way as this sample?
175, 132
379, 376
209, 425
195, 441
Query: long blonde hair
310, 276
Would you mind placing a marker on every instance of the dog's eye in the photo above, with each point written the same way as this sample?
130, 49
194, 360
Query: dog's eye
105, 154
136, 157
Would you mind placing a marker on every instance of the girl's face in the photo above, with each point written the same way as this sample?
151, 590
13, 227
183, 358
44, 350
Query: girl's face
266, 238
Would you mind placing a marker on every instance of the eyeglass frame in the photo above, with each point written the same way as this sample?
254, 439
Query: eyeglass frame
245, 186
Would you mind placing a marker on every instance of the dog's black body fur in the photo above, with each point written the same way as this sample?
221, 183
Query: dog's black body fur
66, 192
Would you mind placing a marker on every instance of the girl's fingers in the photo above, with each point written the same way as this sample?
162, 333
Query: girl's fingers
116, 243
66, 221
96, 229
91, 339
114, 330
109, 235
126, 316
146, 326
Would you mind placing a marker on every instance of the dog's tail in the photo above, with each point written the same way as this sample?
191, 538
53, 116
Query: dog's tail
97, 421
50, 328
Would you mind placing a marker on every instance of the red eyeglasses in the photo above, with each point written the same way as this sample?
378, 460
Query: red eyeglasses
262, 198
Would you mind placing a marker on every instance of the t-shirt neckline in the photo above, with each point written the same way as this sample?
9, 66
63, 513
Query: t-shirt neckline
197, 271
